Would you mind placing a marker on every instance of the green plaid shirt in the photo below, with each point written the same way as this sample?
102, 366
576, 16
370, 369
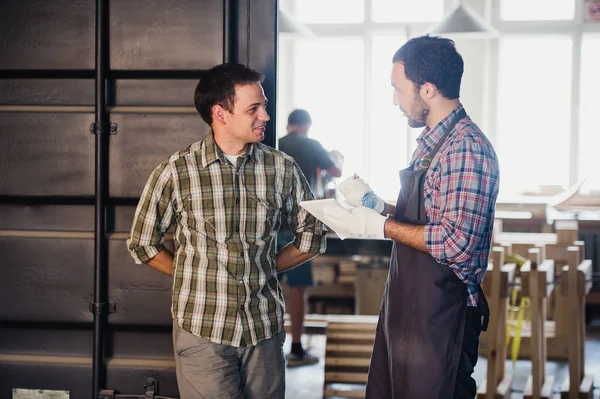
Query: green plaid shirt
225, 285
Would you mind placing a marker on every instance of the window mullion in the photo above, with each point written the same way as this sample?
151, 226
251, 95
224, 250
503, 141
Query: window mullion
575, 97
368, 55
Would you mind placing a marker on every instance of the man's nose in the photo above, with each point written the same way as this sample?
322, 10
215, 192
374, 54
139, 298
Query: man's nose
265, 116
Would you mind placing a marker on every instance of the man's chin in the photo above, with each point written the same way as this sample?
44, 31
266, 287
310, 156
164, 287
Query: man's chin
259, 136
415, 124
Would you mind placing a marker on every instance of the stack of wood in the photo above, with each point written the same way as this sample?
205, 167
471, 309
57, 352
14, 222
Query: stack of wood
347, 355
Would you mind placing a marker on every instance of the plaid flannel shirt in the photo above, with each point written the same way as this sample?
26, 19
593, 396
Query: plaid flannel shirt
225, 285
460, 194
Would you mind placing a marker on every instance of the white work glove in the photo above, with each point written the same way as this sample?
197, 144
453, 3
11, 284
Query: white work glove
359, 193
359, 222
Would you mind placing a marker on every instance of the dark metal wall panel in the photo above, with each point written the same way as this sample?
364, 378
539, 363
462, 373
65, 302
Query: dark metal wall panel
57, 34
46, 92
124, 218
158, 50
46, 341
47, 217
168, 34
131, 378
46, 279
144, 343
155, 92
143, 142
261, 52
74, 378
142, 295
46, 154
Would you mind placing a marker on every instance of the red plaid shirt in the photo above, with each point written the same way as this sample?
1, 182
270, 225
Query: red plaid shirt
460, 192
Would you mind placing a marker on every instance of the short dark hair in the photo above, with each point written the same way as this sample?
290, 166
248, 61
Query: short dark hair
435, 60
299, 117
217, 86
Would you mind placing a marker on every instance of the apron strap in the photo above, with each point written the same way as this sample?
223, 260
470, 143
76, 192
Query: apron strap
426, 160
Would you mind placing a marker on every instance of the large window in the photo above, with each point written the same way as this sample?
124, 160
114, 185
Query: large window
387, 142
533, 90
534, 112
342, 78
589, 105
537, 10
328, 83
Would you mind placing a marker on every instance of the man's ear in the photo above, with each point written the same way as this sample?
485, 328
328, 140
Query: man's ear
428, 90
219, 113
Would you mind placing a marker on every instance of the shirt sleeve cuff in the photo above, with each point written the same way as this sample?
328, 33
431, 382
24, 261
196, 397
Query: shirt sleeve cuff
142, 254
311, 242
429, 233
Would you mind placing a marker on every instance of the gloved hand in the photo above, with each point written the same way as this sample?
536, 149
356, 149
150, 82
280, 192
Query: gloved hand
358, 193
359, 222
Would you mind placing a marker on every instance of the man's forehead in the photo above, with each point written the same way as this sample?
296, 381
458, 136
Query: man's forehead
249, 93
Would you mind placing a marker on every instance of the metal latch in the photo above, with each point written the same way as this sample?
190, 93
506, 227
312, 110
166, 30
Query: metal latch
151, 388
94, 128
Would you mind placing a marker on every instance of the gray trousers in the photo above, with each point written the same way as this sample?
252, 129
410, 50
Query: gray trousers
206, 370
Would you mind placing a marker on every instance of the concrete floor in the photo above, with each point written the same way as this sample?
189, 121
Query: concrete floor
307, 382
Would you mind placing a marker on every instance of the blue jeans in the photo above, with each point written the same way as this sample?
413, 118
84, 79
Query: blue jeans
300, 276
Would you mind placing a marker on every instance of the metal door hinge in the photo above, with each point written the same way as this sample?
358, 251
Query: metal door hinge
98, 308
94, 128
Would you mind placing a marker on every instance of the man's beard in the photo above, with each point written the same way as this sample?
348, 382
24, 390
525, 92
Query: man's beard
421, 122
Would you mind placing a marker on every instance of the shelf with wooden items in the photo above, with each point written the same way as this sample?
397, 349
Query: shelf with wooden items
348, 285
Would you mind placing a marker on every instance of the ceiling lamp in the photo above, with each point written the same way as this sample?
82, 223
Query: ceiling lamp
288, 24
463, 20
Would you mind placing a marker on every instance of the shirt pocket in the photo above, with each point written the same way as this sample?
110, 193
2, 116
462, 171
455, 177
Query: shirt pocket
207, 219
264, 212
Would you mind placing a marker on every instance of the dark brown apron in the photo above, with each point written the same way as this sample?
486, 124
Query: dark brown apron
420, 330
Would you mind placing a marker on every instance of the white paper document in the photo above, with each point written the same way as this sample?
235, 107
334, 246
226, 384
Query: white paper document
316, 207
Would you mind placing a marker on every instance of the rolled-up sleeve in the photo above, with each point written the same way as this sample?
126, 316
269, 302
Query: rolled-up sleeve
468, 179
309, 231
153, 216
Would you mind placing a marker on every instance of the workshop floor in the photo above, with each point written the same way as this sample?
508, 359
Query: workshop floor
307, 382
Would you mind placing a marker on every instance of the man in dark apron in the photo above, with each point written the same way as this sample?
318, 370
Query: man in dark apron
433, 308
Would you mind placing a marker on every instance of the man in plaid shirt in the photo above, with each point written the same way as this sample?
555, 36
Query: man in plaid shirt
227, 195
431, 316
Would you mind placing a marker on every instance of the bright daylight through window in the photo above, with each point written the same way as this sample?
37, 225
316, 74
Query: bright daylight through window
524, 105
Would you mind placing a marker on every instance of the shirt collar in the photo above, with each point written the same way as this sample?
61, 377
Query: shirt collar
429, 137
211, 151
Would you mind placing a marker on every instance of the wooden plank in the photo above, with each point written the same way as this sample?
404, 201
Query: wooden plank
495, 370
349, 378
330, 393
503, 391
537, 332
527, 238
545, 392
352, 336
546, 276
347, 361
574, 336
350, 348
